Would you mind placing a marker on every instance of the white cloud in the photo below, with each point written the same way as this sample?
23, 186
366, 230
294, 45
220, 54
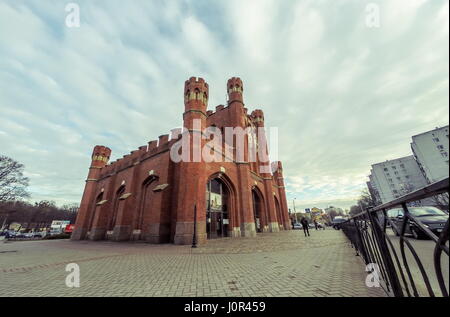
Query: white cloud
343, 96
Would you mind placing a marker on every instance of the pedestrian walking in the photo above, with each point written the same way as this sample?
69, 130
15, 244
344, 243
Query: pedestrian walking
305, 226
316, 225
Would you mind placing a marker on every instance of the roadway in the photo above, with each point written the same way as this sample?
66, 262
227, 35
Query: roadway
425, 251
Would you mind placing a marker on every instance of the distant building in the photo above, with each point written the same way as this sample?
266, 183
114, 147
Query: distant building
392, 179
373, 191
431, 152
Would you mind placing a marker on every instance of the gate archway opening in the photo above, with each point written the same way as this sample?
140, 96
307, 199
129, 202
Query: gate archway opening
217, 209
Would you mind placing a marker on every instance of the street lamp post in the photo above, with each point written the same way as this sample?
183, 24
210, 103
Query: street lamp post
194, 238
295, 211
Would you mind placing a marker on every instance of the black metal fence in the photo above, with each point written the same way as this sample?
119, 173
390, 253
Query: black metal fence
394, 260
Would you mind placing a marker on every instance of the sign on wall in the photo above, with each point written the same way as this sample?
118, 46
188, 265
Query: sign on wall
215, 201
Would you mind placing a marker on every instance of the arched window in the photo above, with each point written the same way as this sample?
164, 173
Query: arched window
117, 204
145, 205
258, 209
95, 210
278, 211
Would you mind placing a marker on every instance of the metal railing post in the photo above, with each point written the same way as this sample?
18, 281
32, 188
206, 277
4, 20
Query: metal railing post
386, 256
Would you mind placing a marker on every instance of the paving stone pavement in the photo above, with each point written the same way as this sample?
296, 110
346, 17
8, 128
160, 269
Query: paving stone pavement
273, 264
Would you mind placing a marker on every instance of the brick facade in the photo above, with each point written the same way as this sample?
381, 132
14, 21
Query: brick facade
148, 196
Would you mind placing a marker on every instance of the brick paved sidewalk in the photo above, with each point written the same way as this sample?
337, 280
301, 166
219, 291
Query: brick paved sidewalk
280, 264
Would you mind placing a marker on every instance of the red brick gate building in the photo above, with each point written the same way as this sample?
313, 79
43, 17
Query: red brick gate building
147, 195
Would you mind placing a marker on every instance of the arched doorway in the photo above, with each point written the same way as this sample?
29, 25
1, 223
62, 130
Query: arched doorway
257, 209
217, 209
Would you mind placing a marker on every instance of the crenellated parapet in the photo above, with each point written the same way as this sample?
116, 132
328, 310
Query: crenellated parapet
153, 147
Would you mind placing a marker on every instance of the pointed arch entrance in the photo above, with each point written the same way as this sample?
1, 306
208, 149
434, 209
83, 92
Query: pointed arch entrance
218, 209
258, 211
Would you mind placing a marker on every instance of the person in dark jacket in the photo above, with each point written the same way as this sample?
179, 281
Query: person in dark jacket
305, 226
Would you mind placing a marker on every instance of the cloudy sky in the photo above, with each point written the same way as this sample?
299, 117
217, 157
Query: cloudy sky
343, 95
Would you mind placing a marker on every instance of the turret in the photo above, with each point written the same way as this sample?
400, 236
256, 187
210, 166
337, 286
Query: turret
100, 156
258, 118
192, 174
235, 89
196, 92
277, 168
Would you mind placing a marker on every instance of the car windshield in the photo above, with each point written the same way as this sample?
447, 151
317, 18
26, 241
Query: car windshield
426, 211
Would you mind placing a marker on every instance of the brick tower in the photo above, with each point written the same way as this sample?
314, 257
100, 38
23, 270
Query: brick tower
99, 159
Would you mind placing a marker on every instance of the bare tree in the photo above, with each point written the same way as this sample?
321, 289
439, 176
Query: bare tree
366, 200
354, 210
441, 201
13, 183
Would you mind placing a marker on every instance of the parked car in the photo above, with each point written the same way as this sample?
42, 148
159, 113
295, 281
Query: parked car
336, 222
432, 217
297, 225
54, 232
38, 234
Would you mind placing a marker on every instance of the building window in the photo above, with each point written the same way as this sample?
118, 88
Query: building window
385, 169
407, 176
402, 165
440, 147
395, 191
436, 139
396, 173
399, 178
444, 154
390, 180
393, 167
